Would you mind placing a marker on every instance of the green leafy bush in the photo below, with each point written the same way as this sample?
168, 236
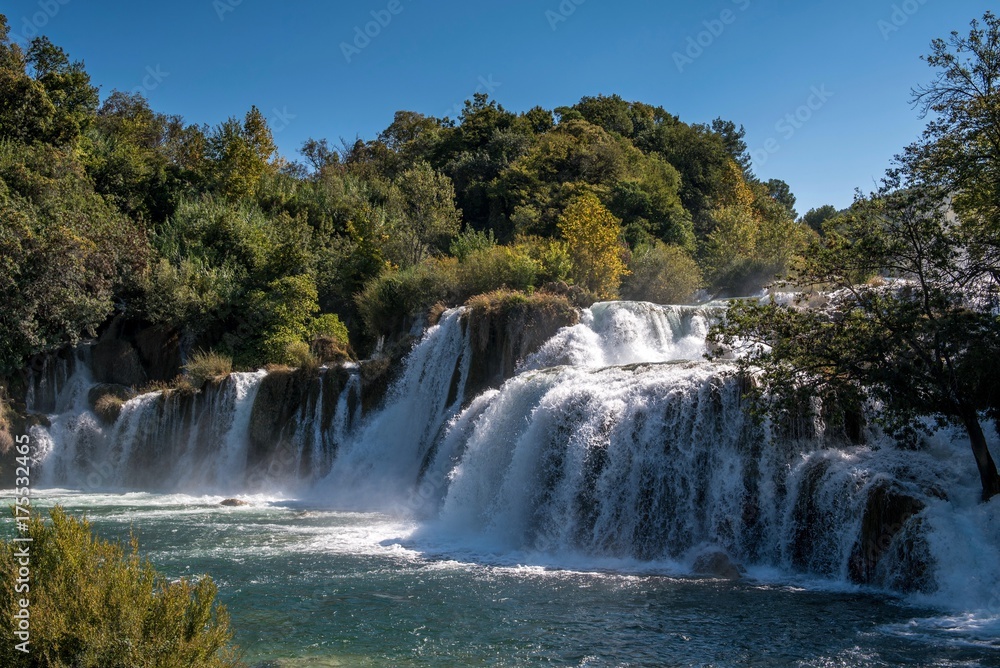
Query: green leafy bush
662, 274
497, 267
97, 604
387, 303
330, 326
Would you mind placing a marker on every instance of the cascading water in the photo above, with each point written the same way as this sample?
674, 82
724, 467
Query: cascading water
386, 455
614, 441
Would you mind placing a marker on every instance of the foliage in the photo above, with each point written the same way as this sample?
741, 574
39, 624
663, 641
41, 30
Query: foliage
111, 207
594, 238
497, 267
96, 604
924, 342
281, 313
816, 218
662, 274
389, 302
330, 326
204, 366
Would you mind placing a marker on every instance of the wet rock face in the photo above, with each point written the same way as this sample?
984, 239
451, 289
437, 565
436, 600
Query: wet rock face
504, 330
887, 514
285, 399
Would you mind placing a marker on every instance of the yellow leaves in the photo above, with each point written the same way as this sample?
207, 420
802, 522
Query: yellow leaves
594, 238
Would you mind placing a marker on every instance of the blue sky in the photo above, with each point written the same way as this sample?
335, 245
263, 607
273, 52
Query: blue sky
751, 61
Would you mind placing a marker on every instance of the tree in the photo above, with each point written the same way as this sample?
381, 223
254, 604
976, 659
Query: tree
960, 148
319, 154
594, 238
242, 153
734, 141
67, 85
780, 192
815, 218
901, 325
661, 274
429, 217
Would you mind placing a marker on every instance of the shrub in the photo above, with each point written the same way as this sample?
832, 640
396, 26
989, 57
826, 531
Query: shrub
495, 268
299, 356
6, 439
205, 366
108, 408
553, 258
96, 604
329, 326
389, 302
281, 314
662, 274
471, 241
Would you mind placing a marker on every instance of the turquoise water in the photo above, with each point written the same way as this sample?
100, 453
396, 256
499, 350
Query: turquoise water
309, 587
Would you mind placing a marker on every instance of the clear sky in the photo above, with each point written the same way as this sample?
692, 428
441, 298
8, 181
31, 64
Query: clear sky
751, 61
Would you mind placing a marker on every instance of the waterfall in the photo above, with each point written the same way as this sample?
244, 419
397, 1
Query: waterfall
386, 455
617, 333
615, 441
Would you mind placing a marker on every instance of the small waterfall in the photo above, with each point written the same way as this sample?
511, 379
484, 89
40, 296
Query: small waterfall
617, 333
385, 456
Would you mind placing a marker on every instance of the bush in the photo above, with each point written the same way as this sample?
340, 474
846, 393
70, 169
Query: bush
108, 408
281, 315
299, 356
389, 302
662, 274
205, 366
495, 268
96, 604
471, 241
329, 326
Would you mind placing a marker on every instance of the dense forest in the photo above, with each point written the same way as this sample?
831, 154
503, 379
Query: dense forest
112, 209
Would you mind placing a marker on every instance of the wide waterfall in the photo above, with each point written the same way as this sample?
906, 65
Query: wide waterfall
614, 442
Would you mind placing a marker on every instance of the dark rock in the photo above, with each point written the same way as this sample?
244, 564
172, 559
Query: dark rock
507, 327
159, 351
234, 503
717, 564
115, 361
286, 398
887, 512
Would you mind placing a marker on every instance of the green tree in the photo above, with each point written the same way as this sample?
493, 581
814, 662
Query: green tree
242, 153
815, 218
595, 245
67, 86
960, 148
922, 342
429, 217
